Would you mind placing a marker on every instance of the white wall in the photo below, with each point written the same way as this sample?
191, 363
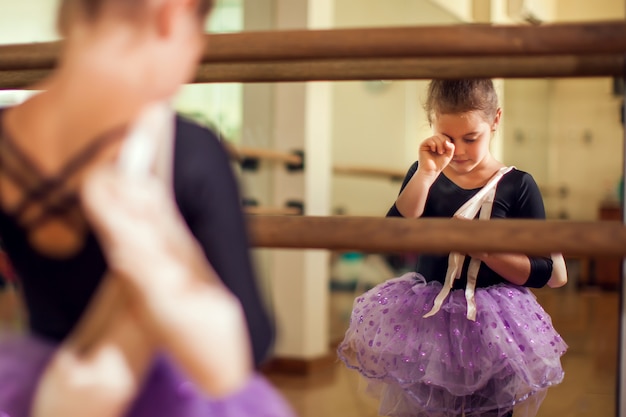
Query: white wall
587, 135
27, 21
460, 9
525, 126
373, 13
585, 10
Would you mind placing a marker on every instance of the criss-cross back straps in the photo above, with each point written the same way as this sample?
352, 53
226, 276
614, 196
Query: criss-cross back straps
50, 192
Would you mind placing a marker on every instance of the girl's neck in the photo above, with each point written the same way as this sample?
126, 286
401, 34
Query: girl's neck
88, 95
478, 176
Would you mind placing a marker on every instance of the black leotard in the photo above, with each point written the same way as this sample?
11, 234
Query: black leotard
57, 290
517, 196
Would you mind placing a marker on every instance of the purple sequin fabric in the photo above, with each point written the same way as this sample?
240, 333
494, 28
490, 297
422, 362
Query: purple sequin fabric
166, 393
447, 365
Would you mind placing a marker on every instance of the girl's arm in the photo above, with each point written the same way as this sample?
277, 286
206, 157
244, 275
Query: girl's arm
559, 271
412, 198
435, 153
207, 194
515, 268
520, 269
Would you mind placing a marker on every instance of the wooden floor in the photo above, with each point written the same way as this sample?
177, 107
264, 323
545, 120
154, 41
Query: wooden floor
588, 322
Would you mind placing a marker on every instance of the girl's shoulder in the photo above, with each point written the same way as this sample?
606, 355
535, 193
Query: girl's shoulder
198, 150
201, 164
519, 178
193, 138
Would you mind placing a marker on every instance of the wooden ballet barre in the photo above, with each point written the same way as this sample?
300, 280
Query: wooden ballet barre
420, 41
607, 37
383, 69
369, 171
19, 79
29, 56
339, 53
413, 69
386, 235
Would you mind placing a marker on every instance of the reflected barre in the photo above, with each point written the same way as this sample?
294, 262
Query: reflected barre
369, 171
248, 158
241, 153
381, 69
386, 235
413, 68
272, 211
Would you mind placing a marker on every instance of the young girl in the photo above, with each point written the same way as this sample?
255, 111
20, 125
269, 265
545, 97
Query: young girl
463, 336
122, 320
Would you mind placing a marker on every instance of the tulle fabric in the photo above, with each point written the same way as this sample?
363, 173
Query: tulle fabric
22, 360
447, 365
166, 393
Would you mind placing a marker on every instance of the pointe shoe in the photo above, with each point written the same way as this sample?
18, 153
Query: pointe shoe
149, 247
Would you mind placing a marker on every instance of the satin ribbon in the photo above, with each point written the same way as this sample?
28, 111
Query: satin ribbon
149, 144
483, 202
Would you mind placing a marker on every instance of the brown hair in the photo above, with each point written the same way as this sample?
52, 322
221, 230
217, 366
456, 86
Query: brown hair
461, 96
91, 8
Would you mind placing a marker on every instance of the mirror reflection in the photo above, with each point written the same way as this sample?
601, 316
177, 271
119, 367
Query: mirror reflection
358, 140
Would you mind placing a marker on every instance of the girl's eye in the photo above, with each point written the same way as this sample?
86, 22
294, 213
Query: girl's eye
469, 140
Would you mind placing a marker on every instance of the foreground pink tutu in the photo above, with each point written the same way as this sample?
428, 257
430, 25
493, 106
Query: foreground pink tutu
447, 365
166, 393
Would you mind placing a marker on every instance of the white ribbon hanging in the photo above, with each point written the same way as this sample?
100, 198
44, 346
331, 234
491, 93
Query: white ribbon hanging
149, 144
483, 202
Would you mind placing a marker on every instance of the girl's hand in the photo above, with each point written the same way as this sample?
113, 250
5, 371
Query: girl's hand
435, 153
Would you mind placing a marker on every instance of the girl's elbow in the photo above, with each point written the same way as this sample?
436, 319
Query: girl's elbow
559, 272
557, 282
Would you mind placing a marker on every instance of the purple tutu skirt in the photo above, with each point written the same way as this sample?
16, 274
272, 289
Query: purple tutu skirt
166, 392
447, 365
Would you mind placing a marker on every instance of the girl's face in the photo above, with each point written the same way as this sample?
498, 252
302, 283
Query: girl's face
173, 53
470, 133
177, 58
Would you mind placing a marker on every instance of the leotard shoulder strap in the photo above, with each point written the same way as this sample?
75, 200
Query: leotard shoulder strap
46, 197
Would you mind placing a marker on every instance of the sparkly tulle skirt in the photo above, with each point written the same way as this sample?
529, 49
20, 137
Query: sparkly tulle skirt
166, 392
447, 365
